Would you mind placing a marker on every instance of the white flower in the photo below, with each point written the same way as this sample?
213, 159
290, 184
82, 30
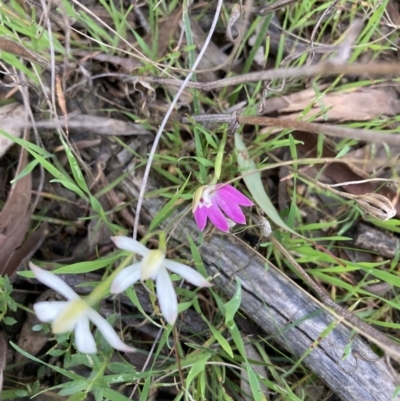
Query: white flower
73, 314
154, 265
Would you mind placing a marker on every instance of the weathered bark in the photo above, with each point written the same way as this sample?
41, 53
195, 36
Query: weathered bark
284, 311
372, 239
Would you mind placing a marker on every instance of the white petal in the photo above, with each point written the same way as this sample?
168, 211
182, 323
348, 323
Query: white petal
108, 332
130, 244
166, 296
48, 311
84, 339
125, 278
189, 274
54, 282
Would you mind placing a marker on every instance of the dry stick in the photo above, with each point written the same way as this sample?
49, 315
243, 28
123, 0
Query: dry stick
327, 129
275, 6
324, 69
374, 335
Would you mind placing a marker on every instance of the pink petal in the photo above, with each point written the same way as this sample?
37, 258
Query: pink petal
218, 218
231, 194
231, 209
200, 216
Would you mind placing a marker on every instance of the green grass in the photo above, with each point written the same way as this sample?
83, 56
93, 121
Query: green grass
197, 369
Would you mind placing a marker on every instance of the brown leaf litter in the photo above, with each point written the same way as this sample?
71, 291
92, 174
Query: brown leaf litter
362, 104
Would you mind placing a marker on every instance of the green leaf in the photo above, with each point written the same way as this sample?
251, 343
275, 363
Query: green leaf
232, 306
9, 321
87, 267
119, 367
135, 300
78, 396
204, 162
254, 384
26, 171
198, 262
14, 394
56, 352
73, 387
383, 275
98, 393
146, 389
221, 340
255, 186
120, 378
69, 374
237, 338
115, 395
197, 367
71, 186
167, 209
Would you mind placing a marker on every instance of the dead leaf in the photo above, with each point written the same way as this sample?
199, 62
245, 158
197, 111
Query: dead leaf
15, 217
340, 172
213, 56
31, 245
21, 51
9, 115
169, 26
30, 340
392, 12
360, 105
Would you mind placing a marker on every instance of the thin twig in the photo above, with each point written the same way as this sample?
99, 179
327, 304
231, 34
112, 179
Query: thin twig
324, 69
277, 5
315, 128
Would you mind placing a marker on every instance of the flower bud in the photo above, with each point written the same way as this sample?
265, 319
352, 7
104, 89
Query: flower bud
378, 206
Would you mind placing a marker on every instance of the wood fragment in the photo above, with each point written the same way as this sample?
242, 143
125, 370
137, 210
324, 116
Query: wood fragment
373, 240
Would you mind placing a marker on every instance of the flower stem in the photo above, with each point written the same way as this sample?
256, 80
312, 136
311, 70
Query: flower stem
102, 289
219, 158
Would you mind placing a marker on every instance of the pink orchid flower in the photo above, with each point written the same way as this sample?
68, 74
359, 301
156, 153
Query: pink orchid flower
210, 201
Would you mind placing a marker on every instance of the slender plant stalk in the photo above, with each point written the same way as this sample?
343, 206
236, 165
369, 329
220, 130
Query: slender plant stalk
166, 117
